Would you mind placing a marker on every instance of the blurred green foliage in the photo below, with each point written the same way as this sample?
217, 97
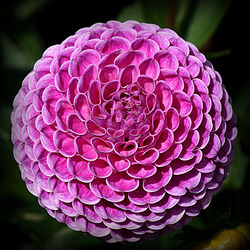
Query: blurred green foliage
29, 26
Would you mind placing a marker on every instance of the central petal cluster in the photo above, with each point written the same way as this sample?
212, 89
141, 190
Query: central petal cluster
123, 131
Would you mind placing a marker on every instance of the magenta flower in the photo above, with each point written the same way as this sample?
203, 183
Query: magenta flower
123, 131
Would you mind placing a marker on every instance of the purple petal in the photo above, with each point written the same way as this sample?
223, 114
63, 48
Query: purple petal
182, 103
129, 58
158, 121
172, 153
113, 44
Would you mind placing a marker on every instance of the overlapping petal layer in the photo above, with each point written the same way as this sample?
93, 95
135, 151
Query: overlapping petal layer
123, 131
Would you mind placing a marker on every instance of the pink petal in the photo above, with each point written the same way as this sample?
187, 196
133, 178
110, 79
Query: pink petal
164, 95
101, 145
62, 78
126, 204
81, 105
167, 202
181, 132
129, 75
159, 180
149, 47
75, 125
46, 133
182, 103
158, 121
121, 182
166, 60
113, 44
141, 197
172, 119
63, 110
79, 168
180, 167
107, 210
88, 76
126, 149
108, 73
65, 143
146, 83
165, 140
84, 59
196, 114
100, 168
60, 189
95, 93
141, 170
58, 163
172, 79
100, 188
172, 153
95, 129
72, 90
147, 156
129, 58
150, 103
50, 97
82, 192
118, 163
108, 59
110, 89
179, 185
85, 149
150, 68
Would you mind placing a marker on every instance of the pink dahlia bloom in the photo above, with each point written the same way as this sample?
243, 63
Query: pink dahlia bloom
123, 131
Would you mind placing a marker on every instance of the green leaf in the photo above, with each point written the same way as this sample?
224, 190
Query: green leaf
238, 169
206, 19
155, 11
22, 51
131, 12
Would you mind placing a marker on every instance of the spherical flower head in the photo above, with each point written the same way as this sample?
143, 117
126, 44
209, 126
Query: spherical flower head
123, 131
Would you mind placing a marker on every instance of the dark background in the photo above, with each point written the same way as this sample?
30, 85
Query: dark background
28, 27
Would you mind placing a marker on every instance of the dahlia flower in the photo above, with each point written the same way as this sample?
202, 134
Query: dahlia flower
124, 131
